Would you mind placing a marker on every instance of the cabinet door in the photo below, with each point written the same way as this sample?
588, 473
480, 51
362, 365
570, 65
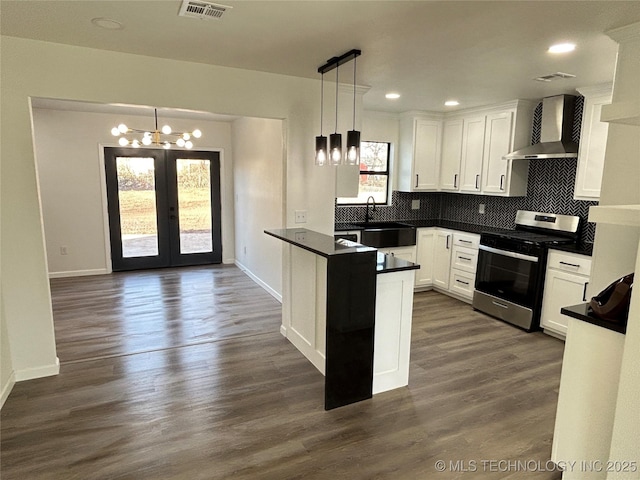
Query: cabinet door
472, 152
497, 143
442, 258
593, 143
426, 154
425, 241
561, 289
451, 155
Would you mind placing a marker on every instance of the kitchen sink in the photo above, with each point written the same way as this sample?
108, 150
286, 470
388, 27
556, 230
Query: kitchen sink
387, 234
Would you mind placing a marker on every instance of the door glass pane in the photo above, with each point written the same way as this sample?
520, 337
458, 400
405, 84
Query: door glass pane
137, 197
194, 205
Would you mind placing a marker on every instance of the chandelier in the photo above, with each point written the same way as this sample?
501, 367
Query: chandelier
165, 137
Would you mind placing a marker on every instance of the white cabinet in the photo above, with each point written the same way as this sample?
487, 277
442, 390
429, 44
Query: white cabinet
593, 143
475, 164
405, 253
472, 153
425, 244
464, 260
565, 284
451, 155
420, 143
442, 258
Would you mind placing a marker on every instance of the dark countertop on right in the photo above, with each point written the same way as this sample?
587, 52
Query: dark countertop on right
583, 312
581, 248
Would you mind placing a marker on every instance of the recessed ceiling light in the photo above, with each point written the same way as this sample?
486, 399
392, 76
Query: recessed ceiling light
562, 48
107, 23
451, 103
392, 96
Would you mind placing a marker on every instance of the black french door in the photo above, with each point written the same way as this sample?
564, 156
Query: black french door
164, 207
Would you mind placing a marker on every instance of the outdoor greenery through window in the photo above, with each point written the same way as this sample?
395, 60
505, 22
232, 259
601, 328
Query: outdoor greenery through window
374, 174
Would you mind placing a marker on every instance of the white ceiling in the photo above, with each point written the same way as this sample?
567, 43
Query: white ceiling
478, 52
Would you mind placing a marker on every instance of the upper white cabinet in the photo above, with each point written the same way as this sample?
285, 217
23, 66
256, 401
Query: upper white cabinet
593, 142
451, 155
474, 144
472, 150
420, 143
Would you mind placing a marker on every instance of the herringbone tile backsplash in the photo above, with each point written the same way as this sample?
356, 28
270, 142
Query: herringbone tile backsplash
550, 190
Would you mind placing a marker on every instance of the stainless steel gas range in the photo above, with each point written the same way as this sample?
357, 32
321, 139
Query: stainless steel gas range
512, 264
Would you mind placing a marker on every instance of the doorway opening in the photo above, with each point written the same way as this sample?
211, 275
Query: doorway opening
164, 207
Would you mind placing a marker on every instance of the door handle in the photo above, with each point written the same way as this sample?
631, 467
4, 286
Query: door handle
501, 182
584, 292
465, 241
448, 241
455, 180
460, 281
574, 265
500, 305
477, 180
465, 258
416, 180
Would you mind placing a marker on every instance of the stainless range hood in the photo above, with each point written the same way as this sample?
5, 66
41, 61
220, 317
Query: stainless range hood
555, 132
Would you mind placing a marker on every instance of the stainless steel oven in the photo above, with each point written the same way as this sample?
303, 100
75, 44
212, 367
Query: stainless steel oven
511, 266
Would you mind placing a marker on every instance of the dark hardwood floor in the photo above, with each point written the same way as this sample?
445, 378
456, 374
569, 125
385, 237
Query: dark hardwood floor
183, 374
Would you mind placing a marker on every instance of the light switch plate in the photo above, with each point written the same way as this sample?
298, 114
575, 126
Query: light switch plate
415, 204
481, 208
301, 216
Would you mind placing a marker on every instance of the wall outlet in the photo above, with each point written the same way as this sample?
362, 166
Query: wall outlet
64, 250
301, 216
415, 204
481, 208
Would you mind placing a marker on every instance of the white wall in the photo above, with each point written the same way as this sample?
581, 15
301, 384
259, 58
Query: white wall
32, 68
258, 185
70, 173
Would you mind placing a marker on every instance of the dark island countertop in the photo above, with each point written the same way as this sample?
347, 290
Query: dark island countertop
326, 246
583, 312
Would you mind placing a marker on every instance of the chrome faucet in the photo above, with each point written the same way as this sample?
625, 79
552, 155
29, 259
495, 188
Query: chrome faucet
367, 217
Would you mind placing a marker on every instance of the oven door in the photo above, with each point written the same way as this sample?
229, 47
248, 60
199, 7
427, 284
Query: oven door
508, 275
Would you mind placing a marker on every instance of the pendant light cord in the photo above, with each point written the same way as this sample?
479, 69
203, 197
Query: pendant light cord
321, 101
337, 68
354, 94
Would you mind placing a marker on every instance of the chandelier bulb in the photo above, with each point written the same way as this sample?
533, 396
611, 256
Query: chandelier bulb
186, 136
196, 133
135, 144
123, 142
180, 142
122, 128
167, 145
115, 132
166, 130
189, 144
146, 140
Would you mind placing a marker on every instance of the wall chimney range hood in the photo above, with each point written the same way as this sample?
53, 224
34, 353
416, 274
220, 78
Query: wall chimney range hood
555, 132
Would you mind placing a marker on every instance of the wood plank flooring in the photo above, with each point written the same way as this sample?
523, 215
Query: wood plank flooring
241, 402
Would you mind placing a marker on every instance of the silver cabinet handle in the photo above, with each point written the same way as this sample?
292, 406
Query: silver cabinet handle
416, 180
448, 241
460, 281
584, 292
500, 305
477, 180
575, 265
455, 180
464, 258
501, 182
465, 241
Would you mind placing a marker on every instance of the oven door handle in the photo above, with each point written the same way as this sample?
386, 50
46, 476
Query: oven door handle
519, 256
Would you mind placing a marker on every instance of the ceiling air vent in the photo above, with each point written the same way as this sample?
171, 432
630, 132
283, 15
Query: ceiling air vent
554, 76
199, 9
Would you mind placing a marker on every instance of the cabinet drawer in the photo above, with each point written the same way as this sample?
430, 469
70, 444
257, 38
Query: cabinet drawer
462, 283
465, 259
468, 240
569, 262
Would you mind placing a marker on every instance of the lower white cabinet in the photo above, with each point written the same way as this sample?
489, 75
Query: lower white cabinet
425, 244
566, 281
442, 258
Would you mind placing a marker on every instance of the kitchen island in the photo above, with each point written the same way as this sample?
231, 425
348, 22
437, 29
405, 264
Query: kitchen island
347, 308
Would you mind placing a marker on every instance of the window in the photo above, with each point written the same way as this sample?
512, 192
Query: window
374, 174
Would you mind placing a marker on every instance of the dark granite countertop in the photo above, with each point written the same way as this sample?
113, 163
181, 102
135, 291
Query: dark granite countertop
581, 248
583, 312
463, 227
326, 246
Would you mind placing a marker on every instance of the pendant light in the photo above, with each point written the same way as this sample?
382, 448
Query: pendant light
353, 136
335, 139
334, 153
321, 141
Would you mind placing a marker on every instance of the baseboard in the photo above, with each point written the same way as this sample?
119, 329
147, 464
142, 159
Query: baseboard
228, 261
79, 273
38, 372
7, 387
283, 331
256, 279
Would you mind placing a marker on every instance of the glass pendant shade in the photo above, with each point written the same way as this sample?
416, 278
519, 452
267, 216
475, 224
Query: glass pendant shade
353, 147
321, 151
335, 142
